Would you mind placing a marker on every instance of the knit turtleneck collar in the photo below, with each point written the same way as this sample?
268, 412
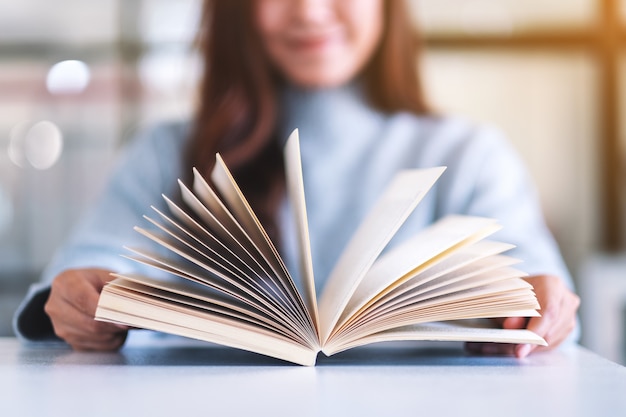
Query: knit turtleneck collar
339, 131
327, 115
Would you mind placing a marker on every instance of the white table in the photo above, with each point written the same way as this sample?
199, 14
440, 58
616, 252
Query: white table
185, 378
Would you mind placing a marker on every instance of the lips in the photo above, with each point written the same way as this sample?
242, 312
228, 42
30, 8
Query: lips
315, 42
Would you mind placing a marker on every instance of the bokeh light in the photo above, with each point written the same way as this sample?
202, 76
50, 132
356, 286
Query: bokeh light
16, 144
43, 145
68, 77
6, 210
163, 73
39, 145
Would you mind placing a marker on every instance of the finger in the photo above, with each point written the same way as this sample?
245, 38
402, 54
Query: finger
558, 324
91, 284
544, 324
68, 321
90, 334
565, 324
89, 326
65, 314
114, 342
74, 337
73, 289
550, 313
523, 350
498, 348
83, 327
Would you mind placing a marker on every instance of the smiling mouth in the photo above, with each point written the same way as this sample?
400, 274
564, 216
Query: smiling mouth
315, 42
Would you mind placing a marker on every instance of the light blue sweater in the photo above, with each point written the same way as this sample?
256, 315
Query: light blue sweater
350, 152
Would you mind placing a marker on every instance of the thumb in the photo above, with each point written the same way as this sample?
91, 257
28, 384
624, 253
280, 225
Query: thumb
98, 277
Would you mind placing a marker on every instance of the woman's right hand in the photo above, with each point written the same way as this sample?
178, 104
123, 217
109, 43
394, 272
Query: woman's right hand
71, 307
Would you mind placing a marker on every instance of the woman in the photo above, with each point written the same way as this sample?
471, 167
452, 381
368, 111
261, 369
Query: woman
343, 72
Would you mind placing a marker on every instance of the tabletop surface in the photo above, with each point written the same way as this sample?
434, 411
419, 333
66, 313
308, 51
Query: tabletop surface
180, 377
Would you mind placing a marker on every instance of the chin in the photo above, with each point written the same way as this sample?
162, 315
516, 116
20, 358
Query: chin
320, 80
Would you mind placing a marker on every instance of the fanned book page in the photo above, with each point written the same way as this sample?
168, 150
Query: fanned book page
230, 285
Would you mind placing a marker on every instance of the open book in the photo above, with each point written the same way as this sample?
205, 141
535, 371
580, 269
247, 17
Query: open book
234, 289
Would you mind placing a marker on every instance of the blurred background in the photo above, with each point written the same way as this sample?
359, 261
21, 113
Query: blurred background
78, 79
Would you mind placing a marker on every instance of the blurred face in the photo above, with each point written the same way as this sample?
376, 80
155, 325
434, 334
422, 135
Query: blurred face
319, 43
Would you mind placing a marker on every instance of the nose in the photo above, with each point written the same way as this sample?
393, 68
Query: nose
313, 10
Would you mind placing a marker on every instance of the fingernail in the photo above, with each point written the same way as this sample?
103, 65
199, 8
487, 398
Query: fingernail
523, 351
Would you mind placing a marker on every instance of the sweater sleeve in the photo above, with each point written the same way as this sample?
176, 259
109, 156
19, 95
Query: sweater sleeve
489, 179
485, 177
145, 170
504, 190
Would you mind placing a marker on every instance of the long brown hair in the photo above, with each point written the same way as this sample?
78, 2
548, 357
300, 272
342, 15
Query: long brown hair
237, 109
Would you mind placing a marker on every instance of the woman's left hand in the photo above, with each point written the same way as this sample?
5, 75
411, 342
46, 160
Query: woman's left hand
558, 318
